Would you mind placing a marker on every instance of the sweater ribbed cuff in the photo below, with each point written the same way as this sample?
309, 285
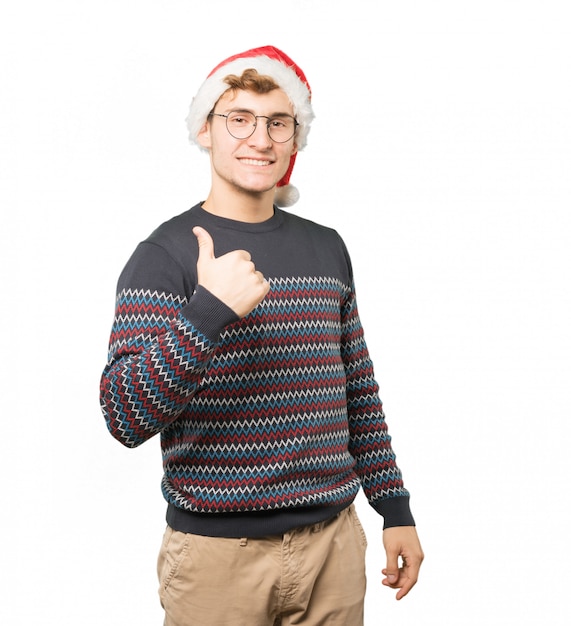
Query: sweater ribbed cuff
208, 314
395, 511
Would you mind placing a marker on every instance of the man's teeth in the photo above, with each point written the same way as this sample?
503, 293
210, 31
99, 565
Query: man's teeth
255, 162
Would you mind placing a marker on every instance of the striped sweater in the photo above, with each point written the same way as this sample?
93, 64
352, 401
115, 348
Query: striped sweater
266, 422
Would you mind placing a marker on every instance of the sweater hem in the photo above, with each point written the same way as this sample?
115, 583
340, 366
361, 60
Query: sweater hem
252, 524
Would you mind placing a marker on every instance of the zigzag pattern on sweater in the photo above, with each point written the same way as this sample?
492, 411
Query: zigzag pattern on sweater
155, 359
261, 419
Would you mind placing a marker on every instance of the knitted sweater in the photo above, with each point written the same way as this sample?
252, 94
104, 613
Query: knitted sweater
266, 422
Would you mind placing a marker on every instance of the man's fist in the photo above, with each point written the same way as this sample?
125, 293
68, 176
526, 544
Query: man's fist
232, 278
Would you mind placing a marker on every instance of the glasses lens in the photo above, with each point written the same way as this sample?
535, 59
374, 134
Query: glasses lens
240, 124
281, 128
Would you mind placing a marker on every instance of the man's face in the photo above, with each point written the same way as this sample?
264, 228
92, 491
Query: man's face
254, 164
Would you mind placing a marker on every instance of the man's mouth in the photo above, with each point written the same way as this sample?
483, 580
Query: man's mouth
257, 162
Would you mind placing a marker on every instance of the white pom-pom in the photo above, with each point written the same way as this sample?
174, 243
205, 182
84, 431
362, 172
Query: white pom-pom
286, 196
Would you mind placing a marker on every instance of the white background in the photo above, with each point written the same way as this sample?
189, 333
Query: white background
442, 153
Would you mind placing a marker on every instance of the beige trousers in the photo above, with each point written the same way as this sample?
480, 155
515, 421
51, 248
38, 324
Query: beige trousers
314, 575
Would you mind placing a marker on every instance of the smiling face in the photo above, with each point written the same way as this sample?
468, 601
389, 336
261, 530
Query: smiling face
251, 166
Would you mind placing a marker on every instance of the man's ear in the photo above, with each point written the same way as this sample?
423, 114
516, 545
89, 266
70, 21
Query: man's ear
203, 136
294, 149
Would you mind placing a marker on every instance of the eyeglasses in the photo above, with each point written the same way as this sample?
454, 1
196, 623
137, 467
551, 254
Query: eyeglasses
242, 124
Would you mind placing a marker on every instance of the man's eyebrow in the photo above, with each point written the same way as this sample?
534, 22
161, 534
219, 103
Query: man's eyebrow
276, 114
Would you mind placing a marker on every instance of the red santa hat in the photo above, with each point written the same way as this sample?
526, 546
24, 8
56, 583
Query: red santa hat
268, 61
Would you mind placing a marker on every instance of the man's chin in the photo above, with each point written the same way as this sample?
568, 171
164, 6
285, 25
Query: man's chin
255, 191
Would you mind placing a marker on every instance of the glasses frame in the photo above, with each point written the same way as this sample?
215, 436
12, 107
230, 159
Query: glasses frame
267, 117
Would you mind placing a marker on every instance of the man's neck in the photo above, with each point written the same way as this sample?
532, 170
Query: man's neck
252, 208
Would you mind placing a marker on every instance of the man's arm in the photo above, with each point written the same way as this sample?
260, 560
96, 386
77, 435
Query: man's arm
161, 341
370, 445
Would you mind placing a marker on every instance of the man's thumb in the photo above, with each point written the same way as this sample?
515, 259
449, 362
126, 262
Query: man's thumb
205, 243
392, 570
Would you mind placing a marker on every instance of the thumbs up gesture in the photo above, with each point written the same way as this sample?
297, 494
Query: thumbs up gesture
232, 278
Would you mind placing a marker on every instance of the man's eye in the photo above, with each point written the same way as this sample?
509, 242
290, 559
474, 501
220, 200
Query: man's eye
239, 119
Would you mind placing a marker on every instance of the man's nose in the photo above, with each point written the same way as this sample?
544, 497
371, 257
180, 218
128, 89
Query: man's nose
260, 136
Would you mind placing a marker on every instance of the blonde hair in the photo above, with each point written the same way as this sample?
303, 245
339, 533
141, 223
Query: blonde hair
251, 80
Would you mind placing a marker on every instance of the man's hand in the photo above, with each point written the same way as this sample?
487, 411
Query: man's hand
403, 542
232, 277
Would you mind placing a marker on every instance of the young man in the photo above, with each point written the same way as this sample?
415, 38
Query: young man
237, 339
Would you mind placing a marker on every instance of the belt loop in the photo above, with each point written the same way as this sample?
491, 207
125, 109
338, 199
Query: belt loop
244, 542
